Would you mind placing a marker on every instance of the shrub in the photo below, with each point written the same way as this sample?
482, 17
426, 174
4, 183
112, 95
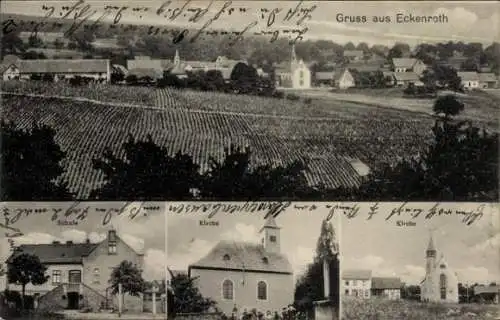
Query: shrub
293, 97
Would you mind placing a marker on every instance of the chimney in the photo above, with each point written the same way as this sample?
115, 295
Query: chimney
69, 242
87, 241
326, 278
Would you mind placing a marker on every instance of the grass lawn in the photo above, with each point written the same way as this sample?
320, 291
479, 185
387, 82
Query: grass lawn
361, 309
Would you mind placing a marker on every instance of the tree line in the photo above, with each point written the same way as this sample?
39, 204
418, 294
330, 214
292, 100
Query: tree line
460, 164
254, 49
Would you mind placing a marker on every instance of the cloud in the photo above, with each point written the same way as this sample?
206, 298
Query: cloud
467, 18
242, 232
134, 242
189, 254
154, 264
370, 262
300, 258
492, 244
475, 274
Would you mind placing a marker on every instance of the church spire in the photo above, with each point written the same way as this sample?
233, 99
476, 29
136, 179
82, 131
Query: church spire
294, 55
177, 58
431, 247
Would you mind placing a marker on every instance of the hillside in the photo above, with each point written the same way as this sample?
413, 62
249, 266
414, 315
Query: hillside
332, 146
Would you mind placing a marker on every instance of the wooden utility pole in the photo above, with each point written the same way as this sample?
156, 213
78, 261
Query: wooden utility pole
119, 300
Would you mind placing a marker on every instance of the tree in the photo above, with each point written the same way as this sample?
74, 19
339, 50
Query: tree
31, 164
448, 105
11, 43
310, 287
460, 164
234, 179
349, 46
34, 41
58, 44
146, 172
186, 296
244, 78
24, 269
130, 277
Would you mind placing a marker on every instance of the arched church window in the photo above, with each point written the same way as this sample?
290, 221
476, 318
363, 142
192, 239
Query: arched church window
442, 266
227, 290
442, 286
262, 290
226, 257
265, 260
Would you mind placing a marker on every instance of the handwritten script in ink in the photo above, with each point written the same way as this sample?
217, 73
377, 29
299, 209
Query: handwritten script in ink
406, 211
286, 21
77, 212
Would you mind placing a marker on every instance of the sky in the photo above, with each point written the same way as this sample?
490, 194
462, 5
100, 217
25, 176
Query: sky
187, 241
390, 250
146, 234
468, 21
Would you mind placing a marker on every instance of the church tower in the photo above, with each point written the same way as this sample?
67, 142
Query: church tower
293, 61
431, 253
177, 58
271, 236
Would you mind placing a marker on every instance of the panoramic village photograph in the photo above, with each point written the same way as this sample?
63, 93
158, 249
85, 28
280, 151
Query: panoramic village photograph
59, 266
198, 100
426, 269
249, 266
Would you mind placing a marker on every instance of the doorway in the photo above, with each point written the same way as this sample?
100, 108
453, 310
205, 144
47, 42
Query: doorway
73, 300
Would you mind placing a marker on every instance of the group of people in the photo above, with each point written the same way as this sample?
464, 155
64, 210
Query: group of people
287, 313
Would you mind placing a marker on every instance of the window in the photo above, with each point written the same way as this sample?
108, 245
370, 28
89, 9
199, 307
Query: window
75, 276
265, 260
347, 283
347, 292
97, 276
442, 286
262, 290
227, 257
56, 277
112, 248
301, 83
227, 290
367, 294
355, 292
301, 75
272, 238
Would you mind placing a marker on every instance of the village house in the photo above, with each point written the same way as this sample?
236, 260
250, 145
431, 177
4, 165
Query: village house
357, 283
79, 273
324, 78
404, 79
353, 55
9, 71
240, 275
416, 66
343, 79
469, 80
440, 282
488, 80
294, 74
386, 287
488, 293
59, 69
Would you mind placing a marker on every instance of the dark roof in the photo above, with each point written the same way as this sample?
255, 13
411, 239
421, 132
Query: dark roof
339, 73
5, 66
487, 77
243, 257
386, 283
146, 72
324, 75
404, 62
468, 76
63, 66
406, 76
355, 274
56, 252
353, 53
486, 289
365, 67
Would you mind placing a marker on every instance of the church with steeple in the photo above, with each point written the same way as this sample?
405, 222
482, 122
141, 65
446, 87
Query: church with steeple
441, 282
294, 73
243, 275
